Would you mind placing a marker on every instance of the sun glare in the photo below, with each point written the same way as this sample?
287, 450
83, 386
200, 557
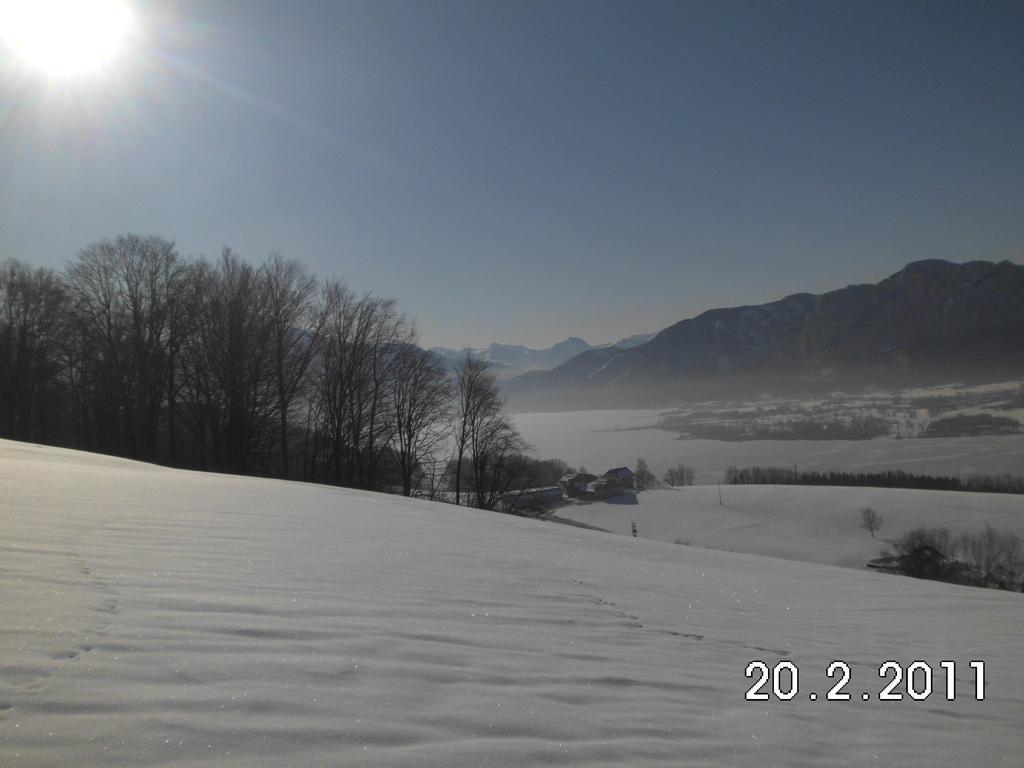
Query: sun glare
65, 38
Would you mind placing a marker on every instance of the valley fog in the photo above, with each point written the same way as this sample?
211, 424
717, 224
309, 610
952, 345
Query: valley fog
599, 440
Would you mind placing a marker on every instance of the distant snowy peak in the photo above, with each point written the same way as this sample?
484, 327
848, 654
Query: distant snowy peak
519, 356
521, 359
931, 316
509, 360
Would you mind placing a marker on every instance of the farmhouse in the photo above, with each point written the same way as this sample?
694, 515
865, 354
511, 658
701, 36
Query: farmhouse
624, 476
575, 484
583, 485
605, 488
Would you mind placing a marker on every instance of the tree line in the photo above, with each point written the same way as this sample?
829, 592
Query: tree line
999, 483
989, 557
136, 351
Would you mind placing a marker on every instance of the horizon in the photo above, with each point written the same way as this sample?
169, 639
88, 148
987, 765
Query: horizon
725, 306
522, 174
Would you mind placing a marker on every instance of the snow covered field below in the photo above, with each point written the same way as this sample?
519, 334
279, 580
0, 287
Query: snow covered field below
806, 523
599, 440
159, 617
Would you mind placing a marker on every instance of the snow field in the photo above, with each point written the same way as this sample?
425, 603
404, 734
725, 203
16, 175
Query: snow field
811, 524
600, 440
160, 617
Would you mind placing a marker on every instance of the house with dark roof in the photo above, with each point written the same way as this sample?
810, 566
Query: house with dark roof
623, 475
574, 484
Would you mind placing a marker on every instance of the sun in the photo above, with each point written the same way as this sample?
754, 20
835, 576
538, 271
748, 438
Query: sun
66, 38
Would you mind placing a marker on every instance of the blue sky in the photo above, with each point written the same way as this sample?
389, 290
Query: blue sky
521, 172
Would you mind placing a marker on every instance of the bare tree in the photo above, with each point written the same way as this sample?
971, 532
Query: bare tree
643, 475
982, 550
1012, 558
32, 325
476, 393
871, 521
389, 336
98, 347
183, 317
296, 324
679, 475
230, 391
123, 291
496, 456
334, 382
434, 474
420, 395
486, 441
361, 350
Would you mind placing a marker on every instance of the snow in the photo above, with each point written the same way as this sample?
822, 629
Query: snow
810, 524
602, 439
159, 617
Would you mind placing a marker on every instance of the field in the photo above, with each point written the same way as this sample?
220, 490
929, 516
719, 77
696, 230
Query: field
809, 524
160, 617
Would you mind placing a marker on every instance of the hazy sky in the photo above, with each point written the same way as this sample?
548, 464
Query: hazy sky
520, 172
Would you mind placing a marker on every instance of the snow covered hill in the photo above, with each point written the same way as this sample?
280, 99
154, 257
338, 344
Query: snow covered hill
805, 523
159, 617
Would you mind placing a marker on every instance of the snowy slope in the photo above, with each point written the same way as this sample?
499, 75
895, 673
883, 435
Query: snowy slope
160, 617
805, 523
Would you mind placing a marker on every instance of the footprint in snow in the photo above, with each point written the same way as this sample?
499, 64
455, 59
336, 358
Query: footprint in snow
687, 635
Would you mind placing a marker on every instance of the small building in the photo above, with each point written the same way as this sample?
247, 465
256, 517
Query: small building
532, 499
574, 484
624, 475
604, 488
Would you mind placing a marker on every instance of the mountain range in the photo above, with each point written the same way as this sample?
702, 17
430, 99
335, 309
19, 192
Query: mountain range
509, 360
932, 320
